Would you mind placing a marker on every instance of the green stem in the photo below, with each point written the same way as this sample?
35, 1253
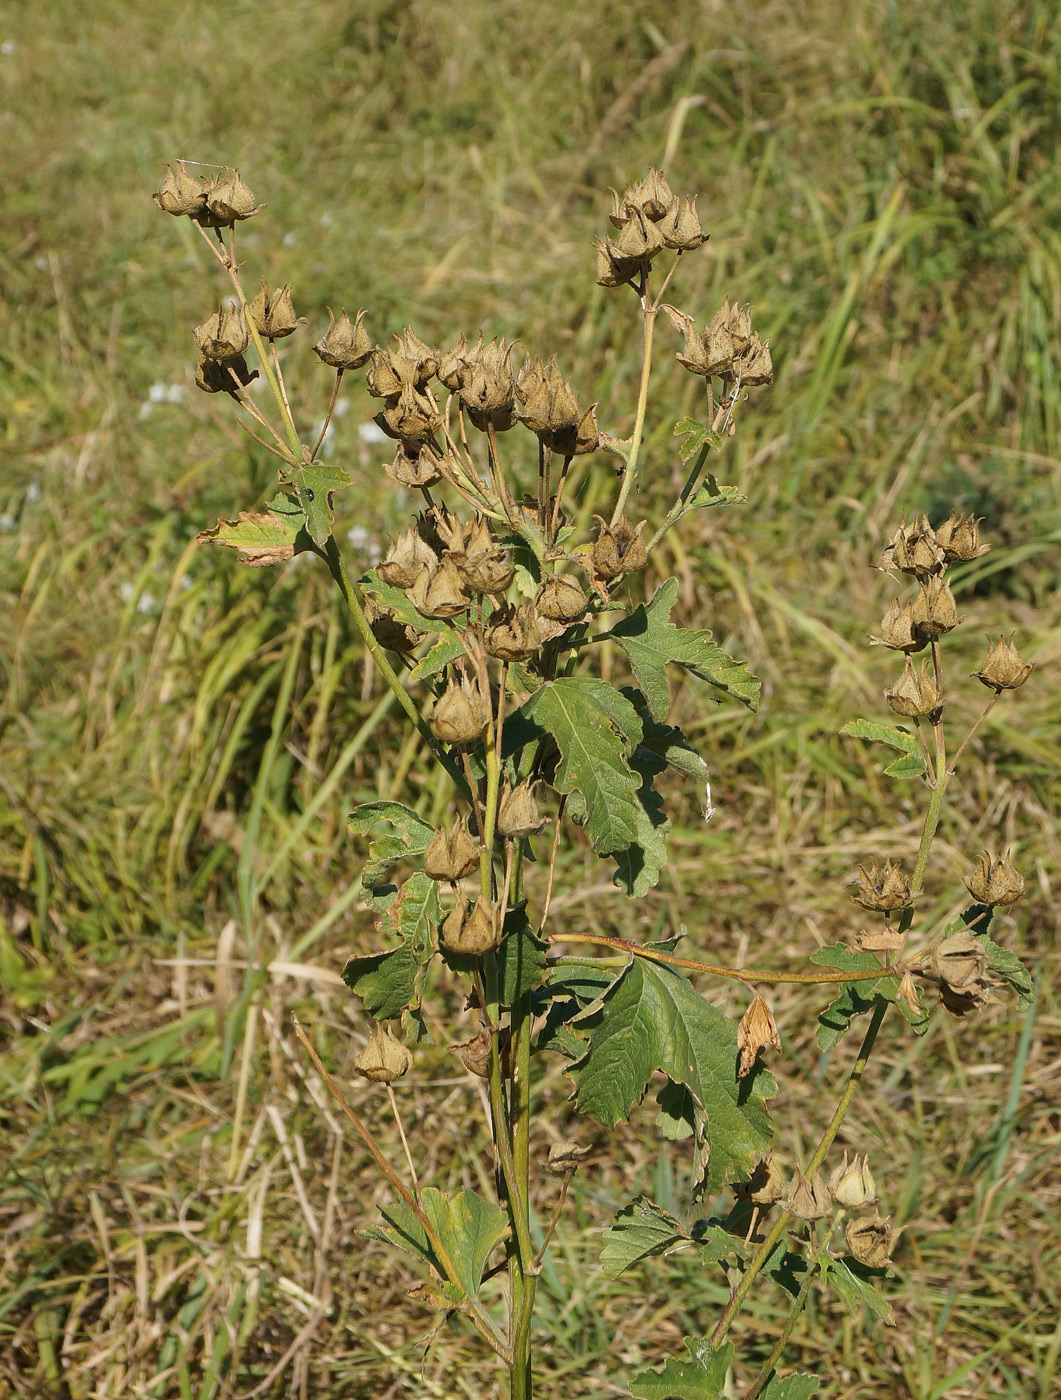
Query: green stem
524, 1280
798, 1305
630, 473
676, 510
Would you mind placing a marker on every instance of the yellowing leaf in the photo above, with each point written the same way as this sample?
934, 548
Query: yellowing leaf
266, 537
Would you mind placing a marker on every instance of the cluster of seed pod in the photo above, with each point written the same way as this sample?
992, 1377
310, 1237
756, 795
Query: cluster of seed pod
650, 218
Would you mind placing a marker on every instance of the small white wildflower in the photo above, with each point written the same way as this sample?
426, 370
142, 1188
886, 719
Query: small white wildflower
8, 47
371, 433
145, 603
290, 241
33, 493
342, 406
125, 591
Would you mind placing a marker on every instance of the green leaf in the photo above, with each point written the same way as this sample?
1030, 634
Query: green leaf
702, 1378
396, 601
386, 982
651, 642
638, 867
467, 1226
1004, 964
521, 959
592, 755
711, 494
667, 742
264, 537
409, 837
652, 1019
799, 1386
853, 1282
447, 649
696, 435
314, 486
856, 998
912, 762
639, 1231
413, 914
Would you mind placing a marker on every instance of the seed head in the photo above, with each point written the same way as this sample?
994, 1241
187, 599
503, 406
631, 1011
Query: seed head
484, 381
223, 376
680, 226
960, 961
914, 694
640, 239
757, 1029
390, 633
959, 538
461, 714
853, 1186
755, 367
651, 197
414, 469
620, 550
227, 200
451, 855
871, 1240
934, 612
274, 316
180, 192
551, 411
518, 814
408, 557
512, 633
439, 593
899, 631
224, 336
561, 599
345, 344
384, 1058
412, 416
809, 1200
1003, 668
995, 882
613, 270
564, 1158
884, 890
472, 933
914, 549
765, 1185
483, 567
475, 1053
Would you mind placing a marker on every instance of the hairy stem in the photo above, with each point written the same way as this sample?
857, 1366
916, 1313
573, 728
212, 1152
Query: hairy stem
800, 1302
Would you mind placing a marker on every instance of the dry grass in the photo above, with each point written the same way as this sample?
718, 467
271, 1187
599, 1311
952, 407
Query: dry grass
179, 741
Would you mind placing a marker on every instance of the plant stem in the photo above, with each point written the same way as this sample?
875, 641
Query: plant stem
524, 1274
648, 310
775, 1356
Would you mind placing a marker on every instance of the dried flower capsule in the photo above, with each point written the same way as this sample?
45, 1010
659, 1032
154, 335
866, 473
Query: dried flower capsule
960, 961
959, 538
518, 813
613, 270
472, 933
484, 573
809, 1200
995, 882
564, 1158
871, 1240
180, 192
452, 854
680, 226
764, 1187
414, 470
651, 197
561, 599
345, 344
413, 416
512, 633
274, 315
757, 1029
899, 631
853, 1186
914, 549
475, 1053
384, 1058
551, 411
461, 714
484, 381
408, 557
1003, 667
934, 611
755, 367
619, 549
438, 593
884, 890
410, 364
224, 336
914, 694
223, 376
640, 239
391, 633
226, 201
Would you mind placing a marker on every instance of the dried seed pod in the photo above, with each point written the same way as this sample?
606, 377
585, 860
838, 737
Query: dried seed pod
223, 376
757, 1029
518, 813
412, 416
613, 270
452, 364
461, 714
471, 933
415, 470
484, 573
640, 238
853, 1186
651, 197
512, 633
899, 631
274, 315
995, 882
345, 344
619, 549
885, 890
764, 1187
809, 1200
914, 694
551, 411
408, 557
561, 599
384, 1058
934, 610
959, 538
680, 226
391, 633
960, 961
226, 201
475, 1053
224, 336
755, 367
438, 593
1003, 667
914, 549
451, 855
871, 1240
564, 1158
485, 384
180, 192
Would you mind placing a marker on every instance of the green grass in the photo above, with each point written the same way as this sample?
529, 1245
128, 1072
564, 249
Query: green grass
180, 739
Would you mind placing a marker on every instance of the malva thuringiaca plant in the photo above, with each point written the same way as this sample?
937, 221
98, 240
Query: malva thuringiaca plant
486, 618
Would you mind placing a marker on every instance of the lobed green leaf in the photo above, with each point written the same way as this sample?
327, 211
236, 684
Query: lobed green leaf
261, 538
468, 1228
912, 762
314, 485
386, 982
853, 1283
701, 1378
409, 837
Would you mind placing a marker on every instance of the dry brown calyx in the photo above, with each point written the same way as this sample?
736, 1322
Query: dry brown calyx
482, 377
961, 967
224, 336
518, 813
809, 1200
852, 1184
389, 632
384, 1058
223, 376
345, 344
1003, 667
226, 201
475, 1053
439, 593
408, 557
461, 714
871, 1240
757, 1029
883, 890
618, 549
934, 610
273, 313
564, 1158
561, 599
914, 549
180, 192
959, 538
551, 411
512, 633
412, 416
680, 226
899, 631
472, 932
415, 467
764, 1187
451, 855
915, 693
995, 882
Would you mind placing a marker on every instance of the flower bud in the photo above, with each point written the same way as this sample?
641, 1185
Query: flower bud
680, 226
437, 593
414, 470
180, 192
1003, 668
870, 1240
995, 882
274, 316
452, 854
809, 1200
853, 1186
757, 1029
934, 612
764, 1187
959, 538
561, 599
224, 336
960, 961
345, 344
914, 694
472, 933
899, 631
883, 891
618, 550
461, 714
384, 1058
518, 813
223, 376
914, 549
408, 557
512, 633
226, 201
